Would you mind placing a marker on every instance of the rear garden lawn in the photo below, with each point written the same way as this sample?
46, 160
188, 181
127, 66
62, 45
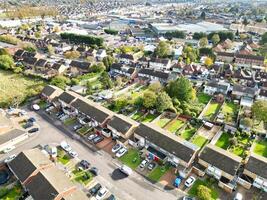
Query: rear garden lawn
63, 157
137, 116
149, 118
260, 148
175, 125
199, 141
242, 143
163, 121
84, 177
223, 141
131, 158
84, 130
230, 110
70, 121
158, 172
203, 98
11, 194
212, 110
188, 133
198, 182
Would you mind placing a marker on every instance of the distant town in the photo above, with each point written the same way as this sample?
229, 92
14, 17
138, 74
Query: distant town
133, 100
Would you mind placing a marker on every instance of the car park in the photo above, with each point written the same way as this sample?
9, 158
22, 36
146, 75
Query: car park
190, 181
94, 171
10, 158
143, 164
84, 164
98, 139
64, 145
121, 152
177, 181
33, 130
92, 136
73, 154
95, 189
8, 149
101, 193
151, 166
116, 148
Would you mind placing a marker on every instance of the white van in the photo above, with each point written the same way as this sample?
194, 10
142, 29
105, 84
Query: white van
126, 170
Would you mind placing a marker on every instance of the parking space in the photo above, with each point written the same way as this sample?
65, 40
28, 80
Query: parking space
168, 178
106, 144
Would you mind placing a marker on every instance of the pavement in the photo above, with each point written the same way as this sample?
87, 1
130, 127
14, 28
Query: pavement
134, 187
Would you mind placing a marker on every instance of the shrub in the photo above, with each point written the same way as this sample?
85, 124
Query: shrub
203, 193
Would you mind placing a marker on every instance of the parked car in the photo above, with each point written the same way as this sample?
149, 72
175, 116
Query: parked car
33, 130
95, 189
177, 181
8, 149
28, 125
144, 163
101, 193
64, 117
116, 147
151, 166
53, 152
64, 145
73, 154
59, 113
35, 107
32, 119
92, 136
77, 127
111, 197
10, 158
126, 170
98, 139
190, 181
49, 108
238, 196
121, 152
188, 198
94, 171
84, 164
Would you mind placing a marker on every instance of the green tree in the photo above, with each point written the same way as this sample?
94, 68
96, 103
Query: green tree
106, 80
203, 193
108, 61
215, 39
72, 54
263, 39
50, 49
203, 42
60, 81
163, 50
98, 68
89, 88
181, 89
4, 51
149, 99
203, 15
163, 102
155, 87
199, 35
259, 110
6, 62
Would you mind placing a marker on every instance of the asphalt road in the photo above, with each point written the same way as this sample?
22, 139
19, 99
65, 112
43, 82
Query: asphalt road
134, 187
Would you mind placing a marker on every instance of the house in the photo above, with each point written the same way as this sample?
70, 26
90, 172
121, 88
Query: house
153, 75
164, 146
79, 68
41, 179
12, 137
159, 64
121, 126
118, 68
225, 57
127, 58
61, 47
240, 91
100, 54
50, 92
143, 62
220, 164
255, 173
59, 67
29, 61
91, 52
249, 60
40, 64
216, 87
18, 54
66, 98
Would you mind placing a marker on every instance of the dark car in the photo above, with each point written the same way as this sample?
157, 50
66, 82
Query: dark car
32, 119
85, 164
95, 189
33, 130
94, 171
98, 139
111, 197
28, 125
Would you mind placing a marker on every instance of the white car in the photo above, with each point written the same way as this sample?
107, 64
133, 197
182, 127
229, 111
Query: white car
116, 148
144, 163
64, 145
8, 149
101, 193
64, 117
35, 107
238, 196
121, 152
10, 158
190, 181
73, 154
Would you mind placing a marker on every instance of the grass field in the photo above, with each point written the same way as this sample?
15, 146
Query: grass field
149, 118
261, 148
223, 141
198, 182
131, 158
10, 194
212, 109
203, 98
199, 141
162, 122
175, 125
137, 116
230, 110
158, 172
188, 133
15, 88
83, 177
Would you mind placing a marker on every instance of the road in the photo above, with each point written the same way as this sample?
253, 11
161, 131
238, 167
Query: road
134, 187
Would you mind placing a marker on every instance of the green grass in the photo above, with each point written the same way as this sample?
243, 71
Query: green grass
260, 148
223, 141
188, 133
137, 116
199, 141
70, 121
158, 172
203, 98
175, 125
162, 122
237, 150
212, 109
83, 177
131, 158
230, 110
16, 88
63, 157
10, 194
149, 118
42, 104
83, 130
198, 182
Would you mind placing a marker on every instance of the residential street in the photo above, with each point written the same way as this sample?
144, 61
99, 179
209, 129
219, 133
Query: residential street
133, 187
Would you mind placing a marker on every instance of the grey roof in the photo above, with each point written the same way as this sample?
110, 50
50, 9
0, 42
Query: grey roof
119, 124
81, 65
19, 53
66, 97
6, 137
257, 166
243, 89
30, 60
220, 159
48, 90
158, 60
154, 73
41, 63
166, 141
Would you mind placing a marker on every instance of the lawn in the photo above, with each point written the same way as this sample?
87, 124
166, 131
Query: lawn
70, 121
203, 98
131, 158
84, 130
175, 125
42, 104
158, 172
223, 141
16, 88
63, 157
212, 109
188, 133
199, 141
198, 182
260, 148
237, 150
83, 177
137, 116
230, 110
162, 122
149, 118
10, 194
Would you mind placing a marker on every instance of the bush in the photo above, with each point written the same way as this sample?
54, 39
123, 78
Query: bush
203, 192
82, 39
3, 192
111, 31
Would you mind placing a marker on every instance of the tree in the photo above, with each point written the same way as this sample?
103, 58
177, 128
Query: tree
98, 68
50, 49
163, 102
149, 99
203, 192
181, 89
263, 39
106, 80
163, 50
203, 15
108, 61
259, 110
155, 87
28, 46
208, 62
111, 31
89, 88
4, 51
245, 21
203, 42
190, 54
233, 141
72, 54
60, 81
118, 81
215, 39
37, 34
6, 62
82, 39
175, 34
199, 35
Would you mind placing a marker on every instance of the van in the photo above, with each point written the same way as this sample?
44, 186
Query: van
126, 170
54, 152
